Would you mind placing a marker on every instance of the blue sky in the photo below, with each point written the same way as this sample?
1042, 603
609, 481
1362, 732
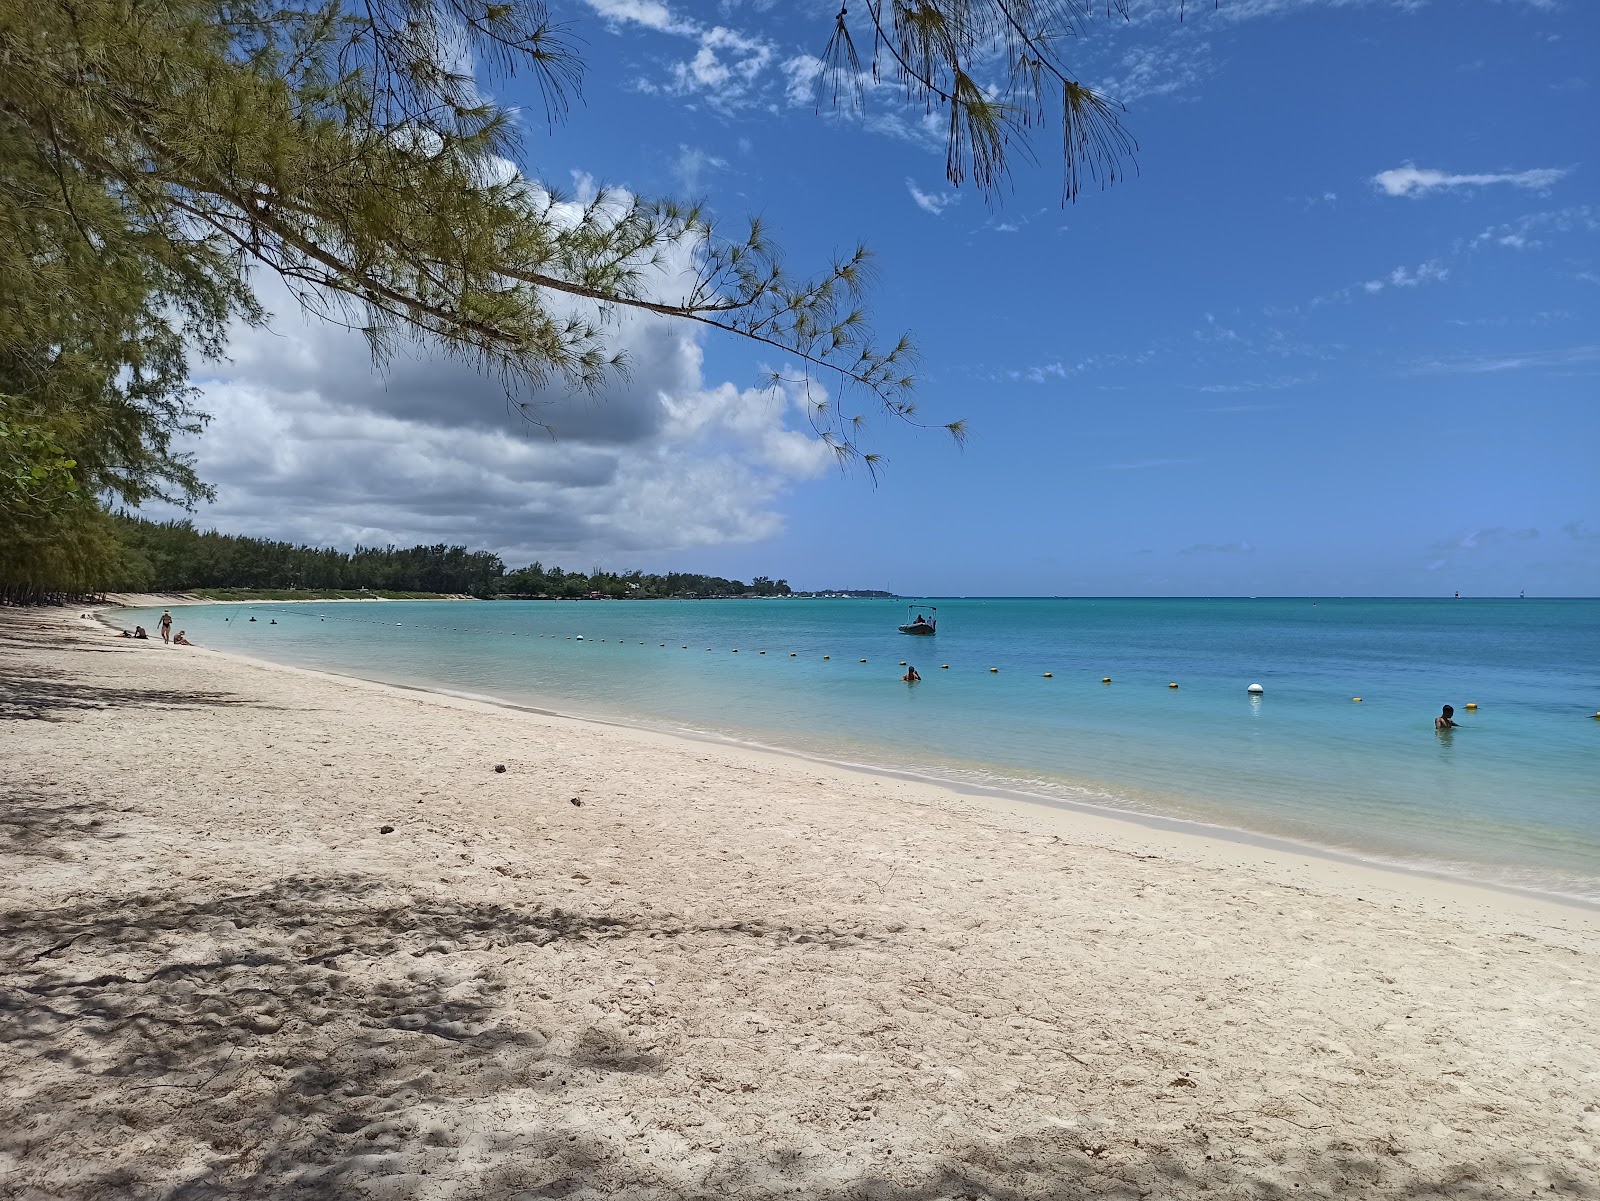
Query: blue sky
1340, 335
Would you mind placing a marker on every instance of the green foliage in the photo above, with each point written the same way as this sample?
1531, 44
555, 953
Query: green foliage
152, 154
173, 556
304, 594
942, 53
538, 581
176, 557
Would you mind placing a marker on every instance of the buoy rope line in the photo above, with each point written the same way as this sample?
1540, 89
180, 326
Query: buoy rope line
1255, 691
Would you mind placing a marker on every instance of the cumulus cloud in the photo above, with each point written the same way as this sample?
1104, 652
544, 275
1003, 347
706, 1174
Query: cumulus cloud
309, 442
1411, 180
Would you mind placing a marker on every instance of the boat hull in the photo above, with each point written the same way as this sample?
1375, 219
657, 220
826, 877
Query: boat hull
919, 628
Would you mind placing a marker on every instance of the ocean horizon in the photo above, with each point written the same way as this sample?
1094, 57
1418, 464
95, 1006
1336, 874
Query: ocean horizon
1512, 798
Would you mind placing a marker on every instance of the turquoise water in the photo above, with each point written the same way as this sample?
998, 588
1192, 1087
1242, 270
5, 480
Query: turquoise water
1512, 798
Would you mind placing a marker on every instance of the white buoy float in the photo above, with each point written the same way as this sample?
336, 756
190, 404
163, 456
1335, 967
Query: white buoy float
1255, 690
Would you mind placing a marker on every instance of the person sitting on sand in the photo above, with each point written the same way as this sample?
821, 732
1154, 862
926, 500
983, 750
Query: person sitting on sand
1447, 719
138, 632
181, 640
911, 676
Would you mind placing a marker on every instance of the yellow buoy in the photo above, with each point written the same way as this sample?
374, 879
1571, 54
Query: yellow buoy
1472, 704
1356, 699
735, 650
1105, 679
1174, 685
863, 660
993, 669
827, 656
791, 654
902, 663
1048, 676
946, 667
761, 652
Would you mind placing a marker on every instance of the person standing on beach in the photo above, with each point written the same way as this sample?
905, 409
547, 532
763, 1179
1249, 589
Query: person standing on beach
166, 626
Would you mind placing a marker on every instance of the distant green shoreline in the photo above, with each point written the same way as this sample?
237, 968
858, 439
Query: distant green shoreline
306, 594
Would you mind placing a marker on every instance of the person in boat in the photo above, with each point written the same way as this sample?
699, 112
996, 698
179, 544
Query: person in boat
921, 620
1447, 719
911, 676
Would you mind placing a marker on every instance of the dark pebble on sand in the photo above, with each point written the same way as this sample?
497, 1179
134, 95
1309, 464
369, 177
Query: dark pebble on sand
499, 767
576, 801
385, 829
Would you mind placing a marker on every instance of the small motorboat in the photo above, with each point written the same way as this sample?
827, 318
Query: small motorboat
921, 624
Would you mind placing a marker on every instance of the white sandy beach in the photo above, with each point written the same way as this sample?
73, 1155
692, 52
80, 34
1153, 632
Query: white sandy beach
637, 966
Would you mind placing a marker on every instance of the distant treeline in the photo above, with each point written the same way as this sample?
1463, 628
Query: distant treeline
174, 556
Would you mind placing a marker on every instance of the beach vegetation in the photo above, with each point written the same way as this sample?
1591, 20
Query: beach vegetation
175, 556
153, 156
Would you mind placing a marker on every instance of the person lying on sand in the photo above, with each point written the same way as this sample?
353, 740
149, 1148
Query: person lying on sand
181, 640
1447, 719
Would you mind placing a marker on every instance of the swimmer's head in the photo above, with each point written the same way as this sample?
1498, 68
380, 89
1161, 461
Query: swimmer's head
1449, 710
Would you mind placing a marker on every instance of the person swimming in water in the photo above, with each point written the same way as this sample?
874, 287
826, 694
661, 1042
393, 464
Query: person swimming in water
1447, 719
911, 676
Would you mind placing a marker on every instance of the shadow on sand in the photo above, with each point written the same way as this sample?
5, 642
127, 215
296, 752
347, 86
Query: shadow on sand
45, 694
219, 1047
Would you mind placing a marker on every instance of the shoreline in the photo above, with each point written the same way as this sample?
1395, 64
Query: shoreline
1280, 851
265, 929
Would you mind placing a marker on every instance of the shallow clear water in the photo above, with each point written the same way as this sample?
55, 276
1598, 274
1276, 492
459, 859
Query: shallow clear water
1513, 797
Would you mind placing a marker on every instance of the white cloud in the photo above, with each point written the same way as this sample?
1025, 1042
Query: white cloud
801, 73
652, 14
1411, 180
1145, 464
1429, 272
931, 202
1173, 67
691, 166
1481, 364
1520, 234
308, 442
